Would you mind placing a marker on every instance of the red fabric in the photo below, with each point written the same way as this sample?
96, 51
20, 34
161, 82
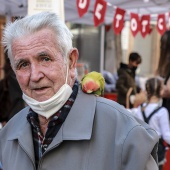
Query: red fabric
108, 27
150, 30
134, 23
161, 23
99, 12
167, 163
145, 25
82, 6
111, 96
118, 21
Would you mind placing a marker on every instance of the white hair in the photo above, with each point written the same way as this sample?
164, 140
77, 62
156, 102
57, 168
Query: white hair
34, 23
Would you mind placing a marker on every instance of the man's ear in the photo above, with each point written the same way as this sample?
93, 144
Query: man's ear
73, 57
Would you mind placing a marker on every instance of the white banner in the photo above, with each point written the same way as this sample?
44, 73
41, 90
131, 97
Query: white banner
36, 6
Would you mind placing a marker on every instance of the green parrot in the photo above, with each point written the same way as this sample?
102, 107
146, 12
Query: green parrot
93, 83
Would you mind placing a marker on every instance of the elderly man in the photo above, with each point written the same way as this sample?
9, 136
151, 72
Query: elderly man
62, 127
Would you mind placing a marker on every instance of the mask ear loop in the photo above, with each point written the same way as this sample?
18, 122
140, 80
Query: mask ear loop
66, 74
67, 71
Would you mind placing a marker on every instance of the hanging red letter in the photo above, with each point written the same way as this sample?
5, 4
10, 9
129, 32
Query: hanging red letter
134, 23
161, 23
145, 25
118, 21
99, 12
82, 6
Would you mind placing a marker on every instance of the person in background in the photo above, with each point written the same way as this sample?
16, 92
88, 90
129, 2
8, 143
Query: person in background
126, 85
110, 81
11, 100
62, 127
155, 115
163, 69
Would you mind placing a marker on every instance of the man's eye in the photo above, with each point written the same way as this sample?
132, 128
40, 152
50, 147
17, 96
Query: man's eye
22, 65
46, 59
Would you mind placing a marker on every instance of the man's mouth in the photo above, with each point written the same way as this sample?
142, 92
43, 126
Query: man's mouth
41, 88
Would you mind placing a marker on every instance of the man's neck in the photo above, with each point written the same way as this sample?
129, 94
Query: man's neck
43, 122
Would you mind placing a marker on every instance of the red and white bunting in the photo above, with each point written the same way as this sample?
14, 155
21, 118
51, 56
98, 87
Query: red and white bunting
82, 6
161, 23
99, 12
150, 30
145, 25
118, 21
134, 23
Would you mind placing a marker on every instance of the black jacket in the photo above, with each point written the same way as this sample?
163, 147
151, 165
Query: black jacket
11, 100
126, 80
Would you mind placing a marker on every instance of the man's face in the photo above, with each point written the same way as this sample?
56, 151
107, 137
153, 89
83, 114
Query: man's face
39, 66
133, 64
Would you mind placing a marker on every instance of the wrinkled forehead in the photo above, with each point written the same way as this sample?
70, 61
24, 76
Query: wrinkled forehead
38, 39
43, 41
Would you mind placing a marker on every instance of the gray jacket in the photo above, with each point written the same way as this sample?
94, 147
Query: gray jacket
98, 134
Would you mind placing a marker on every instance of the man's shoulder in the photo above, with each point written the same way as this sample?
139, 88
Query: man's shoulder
112, 106
116, 116
119, 114
123, 72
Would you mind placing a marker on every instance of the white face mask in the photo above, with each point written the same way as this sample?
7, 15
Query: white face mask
51, 106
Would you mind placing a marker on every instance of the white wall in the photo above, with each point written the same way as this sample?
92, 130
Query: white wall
144, 46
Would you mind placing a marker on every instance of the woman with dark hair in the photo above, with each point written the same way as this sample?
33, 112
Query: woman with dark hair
164, 60
164, 67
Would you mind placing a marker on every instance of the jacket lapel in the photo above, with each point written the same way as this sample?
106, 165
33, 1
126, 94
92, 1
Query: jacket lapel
80, 119
23, 134
26, 141
79, 122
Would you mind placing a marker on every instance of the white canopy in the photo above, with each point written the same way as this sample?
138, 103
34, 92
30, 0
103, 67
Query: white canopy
152, 7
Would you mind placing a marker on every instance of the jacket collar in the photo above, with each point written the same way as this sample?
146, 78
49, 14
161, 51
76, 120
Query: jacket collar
80, 119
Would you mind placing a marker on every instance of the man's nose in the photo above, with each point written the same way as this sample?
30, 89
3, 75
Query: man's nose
36, 72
